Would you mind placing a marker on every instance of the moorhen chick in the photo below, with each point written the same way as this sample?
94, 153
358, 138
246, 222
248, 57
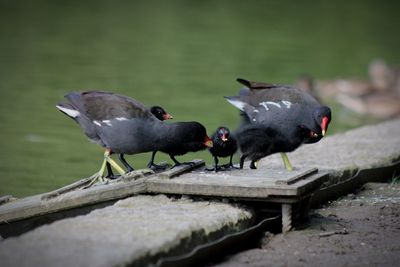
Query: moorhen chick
277, 118
224, 145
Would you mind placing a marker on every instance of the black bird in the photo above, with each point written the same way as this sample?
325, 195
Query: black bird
123, 125
185, 137
224, 145
160, 114
277, 118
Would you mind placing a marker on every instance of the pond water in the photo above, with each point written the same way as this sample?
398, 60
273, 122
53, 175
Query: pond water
182, 55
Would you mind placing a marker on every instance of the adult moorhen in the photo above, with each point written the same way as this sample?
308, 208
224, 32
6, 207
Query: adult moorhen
277, 118
124, 125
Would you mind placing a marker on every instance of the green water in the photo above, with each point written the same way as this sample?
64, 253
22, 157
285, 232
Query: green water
182, 55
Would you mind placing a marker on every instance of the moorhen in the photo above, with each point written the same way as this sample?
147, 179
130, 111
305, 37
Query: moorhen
160, 114
124, 125
224, 145
277, 118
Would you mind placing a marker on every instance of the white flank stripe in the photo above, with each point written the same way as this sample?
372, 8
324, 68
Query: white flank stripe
121, 119
108, 122
237, 103
70, 112
97, 123
288, 104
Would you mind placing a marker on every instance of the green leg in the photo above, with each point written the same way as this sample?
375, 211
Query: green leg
113, 163
99, 176
286, 162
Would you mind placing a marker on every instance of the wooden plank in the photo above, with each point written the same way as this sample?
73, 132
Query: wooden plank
179, 170
244, 184
35, 205
67, 188
231, 186
133, 175
5, 199
297, 177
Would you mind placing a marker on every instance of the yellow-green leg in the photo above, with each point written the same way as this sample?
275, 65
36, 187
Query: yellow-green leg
99, 176
113, 164
286, 161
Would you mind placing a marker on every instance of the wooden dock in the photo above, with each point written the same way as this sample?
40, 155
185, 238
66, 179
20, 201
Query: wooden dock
278, 186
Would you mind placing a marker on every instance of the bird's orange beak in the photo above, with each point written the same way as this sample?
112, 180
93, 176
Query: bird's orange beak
167, 116
208, 142
324, 125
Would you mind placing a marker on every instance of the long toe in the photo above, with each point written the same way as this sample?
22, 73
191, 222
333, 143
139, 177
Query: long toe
229, 166
191, 164
216, 169
113, 177
157, 167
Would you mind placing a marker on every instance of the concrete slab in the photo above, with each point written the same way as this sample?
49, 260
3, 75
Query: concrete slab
137, 230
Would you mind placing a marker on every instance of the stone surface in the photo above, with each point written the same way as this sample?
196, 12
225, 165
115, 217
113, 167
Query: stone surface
134, 230
366, 147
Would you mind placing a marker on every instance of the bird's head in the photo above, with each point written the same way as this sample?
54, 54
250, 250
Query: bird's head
207, 141
198, 135
160, 113
308, 135
322, 117
223, 133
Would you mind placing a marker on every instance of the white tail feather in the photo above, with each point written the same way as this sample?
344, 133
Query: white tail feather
70, 112
237, 103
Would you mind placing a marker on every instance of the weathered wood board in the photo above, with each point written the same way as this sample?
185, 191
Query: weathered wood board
274, 185
73, 196
261, 184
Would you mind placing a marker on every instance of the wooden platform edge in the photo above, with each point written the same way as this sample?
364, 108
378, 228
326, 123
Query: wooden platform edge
298, 177
35, 205
181, 169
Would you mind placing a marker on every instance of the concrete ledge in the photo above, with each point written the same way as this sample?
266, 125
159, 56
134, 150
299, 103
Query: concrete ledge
135, 231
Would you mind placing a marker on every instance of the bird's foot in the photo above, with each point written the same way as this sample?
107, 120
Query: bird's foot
96, 178
129, 169
215, 168
191, 164
156, 167
113, 177
229, 166
253, 165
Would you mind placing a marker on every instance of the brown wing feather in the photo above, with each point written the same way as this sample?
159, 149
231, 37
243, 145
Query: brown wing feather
255, 85
98, 105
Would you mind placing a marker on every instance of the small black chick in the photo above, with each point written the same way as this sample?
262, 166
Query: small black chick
224, 145
185, 137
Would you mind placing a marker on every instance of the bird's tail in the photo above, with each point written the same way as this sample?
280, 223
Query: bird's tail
68, 110
84, 122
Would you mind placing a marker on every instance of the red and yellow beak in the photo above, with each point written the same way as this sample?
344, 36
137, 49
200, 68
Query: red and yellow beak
224, 138
324, 125
208, 142
167, 116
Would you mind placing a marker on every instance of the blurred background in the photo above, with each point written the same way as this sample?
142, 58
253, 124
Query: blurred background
182, 55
